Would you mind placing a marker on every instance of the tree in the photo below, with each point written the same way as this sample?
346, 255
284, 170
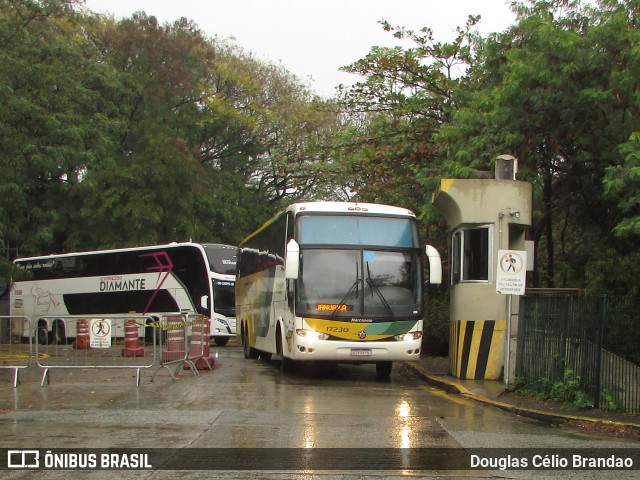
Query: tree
131, 132
389, 154
147, 186
282, 130
621, 21
407, 95
48, 123
549, 91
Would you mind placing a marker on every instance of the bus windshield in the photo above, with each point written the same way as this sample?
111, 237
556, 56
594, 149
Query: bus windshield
224, 297
222, 258
339, 283
357, 266
357, 230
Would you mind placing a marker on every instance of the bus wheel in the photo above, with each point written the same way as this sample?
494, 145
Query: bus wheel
221, 341
286, 364
249, 351
58, 336
266, 356
383, 369
43, 333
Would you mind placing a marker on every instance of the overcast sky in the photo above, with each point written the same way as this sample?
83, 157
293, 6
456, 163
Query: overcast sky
313, 39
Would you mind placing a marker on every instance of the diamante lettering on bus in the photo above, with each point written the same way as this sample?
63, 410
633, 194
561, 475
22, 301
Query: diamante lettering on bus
122, 285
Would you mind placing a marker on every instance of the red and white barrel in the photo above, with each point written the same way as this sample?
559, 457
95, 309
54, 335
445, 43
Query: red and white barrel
199, 352
174, 345
132, 347
83, 337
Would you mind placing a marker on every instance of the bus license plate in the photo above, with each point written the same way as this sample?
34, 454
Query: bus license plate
360, 352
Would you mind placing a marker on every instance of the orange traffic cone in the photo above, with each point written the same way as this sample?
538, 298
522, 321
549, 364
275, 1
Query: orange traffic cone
132, 347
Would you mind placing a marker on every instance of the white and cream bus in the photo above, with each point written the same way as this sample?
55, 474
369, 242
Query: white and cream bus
176, 277
334, 281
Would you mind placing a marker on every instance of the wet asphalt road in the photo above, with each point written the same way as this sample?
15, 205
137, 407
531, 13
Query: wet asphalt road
248, 404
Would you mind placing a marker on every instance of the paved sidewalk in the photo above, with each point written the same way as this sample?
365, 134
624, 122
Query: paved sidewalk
435, 372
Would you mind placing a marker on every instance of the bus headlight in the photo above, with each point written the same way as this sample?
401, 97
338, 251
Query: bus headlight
311, 334
407, 337
223, 322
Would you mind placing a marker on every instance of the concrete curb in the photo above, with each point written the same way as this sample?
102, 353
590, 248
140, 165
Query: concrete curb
451, 386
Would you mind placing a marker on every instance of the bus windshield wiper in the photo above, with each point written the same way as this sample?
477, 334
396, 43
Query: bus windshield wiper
355, 286
374, 288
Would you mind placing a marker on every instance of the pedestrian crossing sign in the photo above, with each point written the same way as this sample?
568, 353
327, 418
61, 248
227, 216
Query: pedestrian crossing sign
511, 272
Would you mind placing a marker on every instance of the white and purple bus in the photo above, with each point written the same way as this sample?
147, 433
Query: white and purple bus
177, 277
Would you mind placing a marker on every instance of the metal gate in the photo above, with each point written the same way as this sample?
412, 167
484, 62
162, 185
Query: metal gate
595, 339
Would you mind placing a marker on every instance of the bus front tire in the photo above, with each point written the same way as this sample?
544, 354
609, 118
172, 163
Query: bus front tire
383, 370
287, 365
221, 341
57, 335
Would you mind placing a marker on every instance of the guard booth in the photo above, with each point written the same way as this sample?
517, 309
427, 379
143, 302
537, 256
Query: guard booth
484, 215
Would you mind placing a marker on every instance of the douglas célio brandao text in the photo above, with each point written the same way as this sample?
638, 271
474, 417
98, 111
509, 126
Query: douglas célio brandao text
568, 461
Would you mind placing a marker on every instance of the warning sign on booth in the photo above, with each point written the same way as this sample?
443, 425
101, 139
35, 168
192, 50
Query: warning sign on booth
100, 332
512, 272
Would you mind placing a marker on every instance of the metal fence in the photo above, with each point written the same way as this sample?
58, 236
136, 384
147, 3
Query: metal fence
591, 341
173, 341
183, 343
15, 353
94, 342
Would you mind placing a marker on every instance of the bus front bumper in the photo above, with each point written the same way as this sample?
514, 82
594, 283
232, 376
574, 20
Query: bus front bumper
356, 352
222, 327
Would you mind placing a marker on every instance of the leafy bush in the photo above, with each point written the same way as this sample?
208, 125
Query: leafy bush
568, 391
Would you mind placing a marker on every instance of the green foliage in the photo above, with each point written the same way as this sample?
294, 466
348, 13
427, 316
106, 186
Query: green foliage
568, 390
608, 403
610, 271
117, 133
437, 325
49, 122
622, 182
130, 132
405, 97
556, 91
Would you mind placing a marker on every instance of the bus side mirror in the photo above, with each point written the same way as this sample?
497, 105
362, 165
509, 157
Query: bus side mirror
204, 301
292, 260
435, 265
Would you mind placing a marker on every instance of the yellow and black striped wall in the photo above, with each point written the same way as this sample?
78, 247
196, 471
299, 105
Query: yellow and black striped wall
476, 349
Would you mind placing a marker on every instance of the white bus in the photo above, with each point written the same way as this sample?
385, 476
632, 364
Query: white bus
334, 281
176, 277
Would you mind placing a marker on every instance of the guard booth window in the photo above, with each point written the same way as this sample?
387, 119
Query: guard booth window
471, 254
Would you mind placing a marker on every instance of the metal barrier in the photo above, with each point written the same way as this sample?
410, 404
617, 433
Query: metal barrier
167, 340
115, 341
592, 339
183, 343
15, 353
